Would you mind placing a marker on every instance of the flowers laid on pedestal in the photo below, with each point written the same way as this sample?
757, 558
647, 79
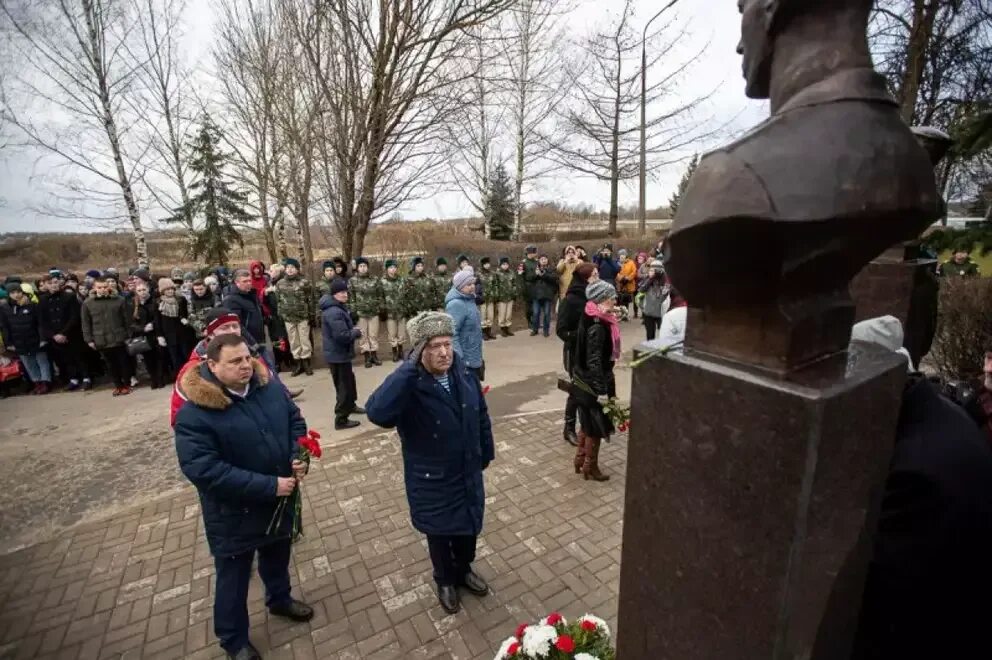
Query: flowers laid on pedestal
554, 638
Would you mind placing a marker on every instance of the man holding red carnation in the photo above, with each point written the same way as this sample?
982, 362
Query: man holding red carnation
237, 439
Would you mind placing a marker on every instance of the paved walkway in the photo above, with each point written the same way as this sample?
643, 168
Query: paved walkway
140, 584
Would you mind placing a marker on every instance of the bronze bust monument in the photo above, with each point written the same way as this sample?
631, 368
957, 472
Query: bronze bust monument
773, 226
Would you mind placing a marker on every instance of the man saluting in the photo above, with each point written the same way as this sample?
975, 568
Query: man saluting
236, 438
437, 406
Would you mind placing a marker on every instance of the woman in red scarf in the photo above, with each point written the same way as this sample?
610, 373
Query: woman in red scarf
597, 350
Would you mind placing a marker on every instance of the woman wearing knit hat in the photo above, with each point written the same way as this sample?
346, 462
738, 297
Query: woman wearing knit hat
460, 305
597, 350
440, 413
654, 297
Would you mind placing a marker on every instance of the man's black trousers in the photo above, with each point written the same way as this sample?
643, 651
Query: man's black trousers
345, 389
452, 557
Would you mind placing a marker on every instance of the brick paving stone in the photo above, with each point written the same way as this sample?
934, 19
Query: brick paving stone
140, 584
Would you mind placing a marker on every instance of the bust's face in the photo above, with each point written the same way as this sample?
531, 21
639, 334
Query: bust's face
755, 47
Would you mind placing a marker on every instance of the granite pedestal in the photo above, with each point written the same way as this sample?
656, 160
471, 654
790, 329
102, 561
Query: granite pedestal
750, 504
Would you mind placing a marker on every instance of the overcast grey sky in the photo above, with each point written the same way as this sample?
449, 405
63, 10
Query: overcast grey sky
714, 24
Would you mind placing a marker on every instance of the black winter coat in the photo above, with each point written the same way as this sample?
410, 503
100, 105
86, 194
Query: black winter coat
570, 313
233, 450
140, 315
543, 284
21, 327
172, 328
929, 582
338, 331
60, 315
246, 306
593, 366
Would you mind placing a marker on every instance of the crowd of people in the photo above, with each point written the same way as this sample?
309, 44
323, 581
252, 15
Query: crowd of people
69, 330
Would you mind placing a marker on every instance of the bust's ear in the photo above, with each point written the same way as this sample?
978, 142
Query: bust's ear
772, 8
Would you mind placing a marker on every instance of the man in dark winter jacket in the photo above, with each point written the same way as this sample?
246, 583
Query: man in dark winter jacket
236, 440
608, 267
446, 434
243, 301
22, 333
106, 326
529, 266
61, 325
570, 312
339, 334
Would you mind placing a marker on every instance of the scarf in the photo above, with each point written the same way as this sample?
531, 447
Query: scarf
169, 306
592, 309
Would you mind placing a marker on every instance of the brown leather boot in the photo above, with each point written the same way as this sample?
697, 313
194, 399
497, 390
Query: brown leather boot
590, 468
580, 452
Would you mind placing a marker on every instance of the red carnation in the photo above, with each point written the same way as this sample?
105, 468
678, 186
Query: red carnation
313, 434
520, 630
485, 390
512, 651
554, 619
565, 644
310, 446
588, 626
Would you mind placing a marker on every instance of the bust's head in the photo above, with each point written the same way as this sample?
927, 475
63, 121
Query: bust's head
763, 21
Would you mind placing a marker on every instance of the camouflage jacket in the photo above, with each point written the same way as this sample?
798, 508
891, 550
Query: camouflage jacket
394, 295
951, 268
296, 300
420, 296
442, 285
506, 286
365, 295
323, 287
490, 286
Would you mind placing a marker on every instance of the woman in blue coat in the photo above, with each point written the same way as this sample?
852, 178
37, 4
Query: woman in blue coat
466, 321
436, 405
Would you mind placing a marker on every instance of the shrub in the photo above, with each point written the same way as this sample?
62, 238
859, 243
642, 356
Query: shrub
964, 328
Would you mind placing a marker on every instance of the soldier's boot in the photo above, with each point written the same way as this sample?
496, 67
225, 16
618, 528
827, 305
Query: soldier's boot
507, 331
487, 334
297, 367
368, 359
307, 367
375, 359
399, 353
396, 353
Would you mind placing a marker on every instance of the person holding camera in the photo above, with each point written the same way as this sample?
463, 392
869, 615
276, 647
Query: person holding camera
566, 267
655, 301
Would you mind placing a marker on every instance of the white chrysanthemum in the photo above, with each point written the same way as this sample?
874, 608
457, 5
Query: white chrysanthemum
585, 656
538, 640
503, 653
599, 623
544, 621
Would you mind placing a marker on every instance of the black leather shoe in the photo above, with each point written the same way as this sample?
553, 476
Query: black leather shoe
448, 597
475, 585
570, 437
246, 653
358, 410
295, 610
346, 424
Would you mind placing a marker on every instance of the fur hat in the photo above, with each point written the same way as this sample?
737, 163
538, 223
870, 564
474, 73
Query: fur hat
338, 285
327, 264
93, 274
531, 249
390, 263
504, 260
361, 260
462, 278
165, 283
485, 260
427, 325
415, 261
599, 291
440, 261
461, 259
289, 261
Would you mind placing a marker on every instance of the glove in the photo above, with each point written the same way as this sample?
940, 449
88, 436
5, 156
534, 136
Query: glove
602, 399
161, 342
357, 332
184, 321
149, 327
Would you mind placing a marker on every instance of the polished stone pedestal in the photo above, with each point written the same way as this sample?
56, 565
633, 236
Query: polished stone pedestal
902, 284
749, 505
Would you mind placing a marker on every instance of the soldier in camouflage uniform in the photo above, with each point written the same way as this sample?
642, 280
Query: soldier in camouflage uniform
442, 283
960, 265
420, 289
490, 297
297, 306
324, 284
366, 300
394, 289
506, 283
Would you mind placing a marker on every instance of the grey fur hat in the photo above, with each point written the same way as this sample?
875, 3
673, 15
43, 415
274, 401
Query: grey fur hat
599, 291
427, 325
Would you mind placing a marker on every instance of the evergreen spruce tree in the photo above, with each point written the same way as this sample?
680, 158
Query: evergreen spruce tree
499, 205
215, 206
676, 198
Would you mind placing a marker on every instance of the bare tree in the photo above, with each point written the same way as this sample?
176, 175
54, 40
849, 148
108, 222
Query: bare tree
77, 63
380, 68
246, 54
603, 115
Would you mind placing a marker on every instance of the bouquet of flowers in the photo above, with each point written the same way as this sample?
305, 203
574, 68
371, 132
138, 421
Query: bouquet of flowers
554, 638
618, 414
309, 448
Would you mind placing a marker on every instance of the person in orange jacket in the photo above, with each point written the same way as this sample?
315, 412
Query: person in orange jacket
626, 280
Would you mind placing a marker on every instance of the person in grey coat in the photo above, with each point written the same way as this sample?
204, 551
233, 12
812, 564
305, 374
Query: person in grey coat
654, 304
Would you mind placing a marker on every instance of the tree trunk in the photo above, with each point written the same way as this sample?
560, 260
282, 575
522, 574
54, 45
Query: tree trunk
110, 126
521, 118
267, 233
281, 232
924, 14
615, 156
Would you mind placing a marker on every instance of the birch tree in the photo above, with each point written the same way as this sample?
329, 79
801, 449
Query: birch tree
78, 66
